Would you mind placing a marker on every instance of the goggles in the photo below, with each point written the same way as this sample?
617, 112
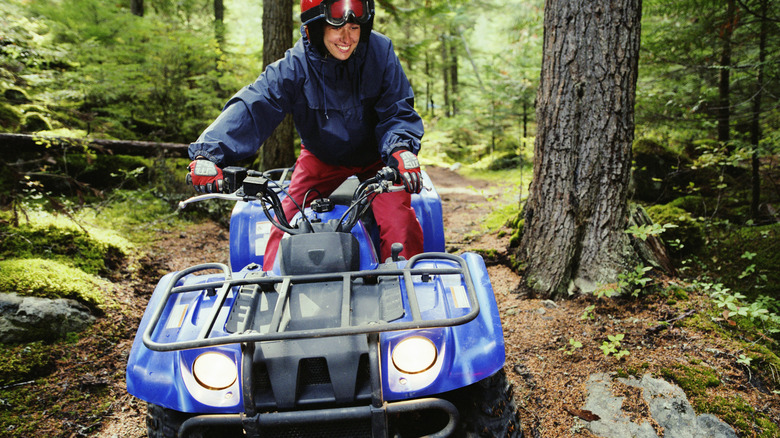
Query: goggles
338, 12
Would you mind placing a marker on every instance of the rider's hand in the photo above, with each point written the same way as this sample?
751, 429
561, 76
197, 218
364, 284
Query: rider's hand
405, 163
205, 176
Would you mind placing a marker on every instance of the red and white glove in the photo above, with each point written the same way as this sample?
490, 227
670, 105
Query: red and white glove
406, 165
205, 176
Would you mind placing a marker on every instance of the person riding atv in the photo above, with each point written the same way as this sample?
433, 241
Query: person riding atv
353, 107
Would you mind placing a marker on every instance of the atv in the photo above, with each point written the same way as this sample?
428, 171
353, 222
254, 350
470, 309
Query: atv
332, 341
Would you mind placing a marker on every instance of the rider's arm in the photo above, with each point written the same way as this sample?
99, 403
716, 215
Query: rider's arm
399, 124
250, 116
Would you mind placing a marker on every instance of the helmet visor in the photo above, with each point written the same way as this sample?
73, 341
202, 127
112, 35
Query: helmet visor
338, 12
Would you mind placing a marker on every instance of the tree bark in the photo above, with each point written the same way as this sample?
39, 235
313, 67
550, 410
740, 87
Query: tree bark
755, 125
219, 21
279, 149
137, 7
576, 214
724, 84
445, 75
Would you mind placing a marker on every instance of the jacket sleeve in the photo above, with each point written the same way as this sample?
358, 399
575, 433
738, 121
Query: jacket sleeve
399, 124
249, 117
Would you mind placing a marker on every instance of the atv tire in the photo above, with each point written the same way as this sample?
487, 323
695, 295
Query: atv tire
487, 409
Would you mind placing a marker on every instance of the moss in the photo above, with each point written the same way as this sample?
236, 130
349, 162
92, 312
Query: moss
21, 363
694, 380
740, 415
50, 279
34, 122
696, 205
92, 249
10, 117
688, 231
16, 95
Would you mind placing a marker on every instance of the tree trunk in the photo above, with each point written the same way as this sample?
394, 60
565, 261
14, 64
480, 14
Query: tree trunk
219, 22
577, 212
137, 7
724, 105
279, 150
454, 75
755, 126
445, 75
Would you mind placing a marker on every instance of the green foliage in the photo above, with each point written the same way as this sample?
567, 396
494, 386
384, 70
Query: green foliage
682, 232
573, 346
20, 363
612, 346
115, 74
51, 279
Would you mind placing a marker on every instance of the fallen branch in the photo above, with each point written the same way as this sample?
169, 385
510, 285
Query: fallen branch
29, 382
670, 322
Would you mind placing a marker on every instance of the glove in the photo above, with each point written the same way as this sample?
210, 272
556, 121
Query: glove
408, 168
205, 176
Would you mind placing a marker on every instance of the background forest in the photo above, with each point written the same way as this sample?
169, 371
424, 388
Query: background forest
707, 117
705, 154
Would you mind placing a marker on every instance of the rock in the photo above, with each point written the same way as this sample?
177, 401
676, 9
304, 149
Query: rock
28, 319
668, 406
550, 304
456, 167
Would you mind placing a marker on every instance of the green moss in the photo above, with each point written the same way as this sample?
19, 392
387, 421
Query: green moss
34, 122
24, 362
740, 415
10, 117
694, 380
696, 205
92, 249
688, 231
50, 279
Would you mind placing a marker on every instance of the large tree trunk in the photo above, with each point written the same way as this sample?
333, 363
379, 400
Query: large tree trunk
576, 213
279, 150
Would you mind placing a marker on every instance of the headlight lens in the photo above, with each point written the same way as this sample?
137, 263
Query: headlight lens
414, 355
214, 371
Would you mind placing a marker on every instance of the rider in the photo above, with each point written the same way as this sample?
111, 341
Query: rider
353, 107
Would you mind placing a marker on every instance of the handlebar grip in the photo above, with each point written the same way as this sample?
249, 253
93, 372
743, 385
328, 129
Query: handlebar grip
388, 174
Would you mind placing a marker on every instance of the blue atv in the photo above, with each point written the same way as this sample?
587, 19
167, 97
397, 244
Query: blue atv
332, 342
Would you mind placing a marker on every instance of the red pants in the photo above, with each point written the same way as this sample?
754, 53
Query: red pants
394, 214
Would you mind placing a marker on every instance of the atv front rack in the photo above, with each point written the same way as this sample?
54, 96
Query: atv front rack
282, 285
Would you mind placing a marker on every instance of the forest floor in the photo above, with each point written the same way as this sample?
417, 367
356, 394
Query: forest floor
549, 384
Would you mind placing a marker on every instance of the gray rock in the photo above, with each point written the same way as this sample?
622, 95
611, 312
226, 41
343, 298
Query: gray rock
669, 407
28, 319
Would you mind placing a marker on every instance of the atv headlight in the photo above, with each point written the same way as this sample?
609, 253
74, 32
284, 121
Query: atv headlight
414, 355
214, 371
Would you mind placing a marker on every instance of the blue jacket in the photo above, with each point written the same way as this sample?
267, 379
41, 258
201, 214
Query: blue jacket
348, 113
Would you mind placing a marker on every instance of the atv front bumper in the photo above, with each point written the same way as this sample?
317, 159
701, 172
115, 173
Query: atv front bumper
373, 420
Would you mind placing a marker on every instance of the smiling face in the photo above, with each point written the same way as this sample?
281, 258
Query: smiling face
342, 41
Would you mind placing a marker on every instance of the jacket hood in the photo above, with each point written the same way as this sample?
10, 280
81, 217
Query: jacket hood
334, 77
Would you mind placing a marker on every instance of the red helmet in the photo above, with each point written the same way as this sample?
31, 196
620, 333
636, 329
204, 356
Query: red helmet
337, 12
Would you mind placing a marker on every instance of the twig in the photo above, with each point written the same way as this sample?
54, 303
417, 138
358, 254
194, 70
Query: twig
669, 322
3, 388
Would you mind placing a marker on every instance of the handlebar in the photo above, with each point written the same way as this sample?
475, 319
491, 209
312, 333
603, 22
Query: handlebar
248, 185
